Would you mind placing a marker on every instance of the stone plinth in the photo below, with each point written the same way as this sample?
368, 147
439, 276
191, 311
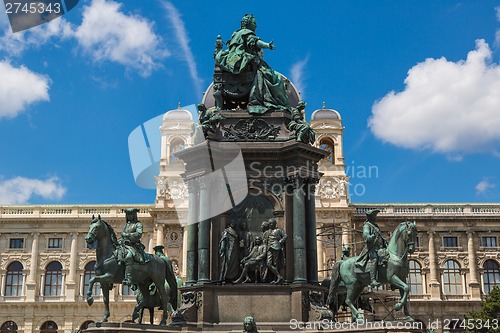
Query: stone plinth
238, 328
272, 306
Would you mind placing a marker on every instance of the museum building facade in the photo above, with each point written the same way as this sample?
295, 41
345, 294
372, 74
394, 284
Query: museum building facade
45, 263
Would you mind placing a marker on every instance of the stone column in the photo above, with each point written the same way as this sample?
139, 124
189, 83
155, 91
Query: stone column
150, 243
184, 250
31, 283
3, 278
311, 238
475, 287
299, 232
73, 260
160, 234
204, 237
320, 256
192, 235
434, 285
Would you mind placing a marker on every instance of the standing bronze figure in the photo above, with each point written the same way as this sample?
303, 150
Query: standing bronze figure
276, 239
229, 251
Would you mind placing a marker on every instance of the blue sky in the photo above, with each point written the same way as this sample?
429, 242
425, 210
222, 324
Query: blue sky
416, 82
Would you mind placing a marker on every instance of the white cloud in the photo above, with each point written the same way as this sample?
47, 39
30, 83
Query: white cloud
19, 190
16, 43
448, 107
182, 38
107, 34
483, 186
19, 88
297, 75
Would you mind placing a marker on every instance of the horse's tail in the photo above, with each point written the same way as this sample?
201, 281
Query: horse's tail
334, 283
172, 282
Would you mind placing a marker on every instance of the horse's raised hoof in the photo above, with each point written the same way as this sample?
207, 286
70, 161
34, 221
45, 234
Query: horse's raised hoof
398, 306
90, 300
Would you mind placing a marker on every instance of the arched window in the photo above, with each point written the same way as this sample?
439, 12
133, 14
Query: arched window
452, 282
175, 146
415, 277
8, 327
14, 279
53, 279
327, 144
48, 327
90, 273
491, 275
85, 325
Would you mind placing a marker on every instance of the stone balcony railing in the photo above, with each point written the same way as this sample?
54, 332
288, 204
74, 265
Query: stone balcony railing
431, 209
69, 211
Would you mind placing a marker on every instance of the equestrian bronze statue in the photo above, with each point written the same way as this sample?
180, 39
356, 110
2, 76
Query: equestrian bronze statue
109, 270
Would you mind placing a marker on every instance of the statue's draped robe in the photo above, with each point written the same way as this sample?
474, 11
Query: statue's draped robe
268, 91
229, 247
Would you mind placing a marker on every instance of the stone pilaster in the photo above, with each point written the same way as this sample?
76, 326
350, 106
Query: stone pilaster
31, 283
71, 291
434, 285
474, 285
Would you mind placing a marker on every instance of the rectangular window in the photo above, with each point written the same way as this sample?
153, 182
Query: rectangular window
417, 241
55, 243
450, 241
489, 241
16, 243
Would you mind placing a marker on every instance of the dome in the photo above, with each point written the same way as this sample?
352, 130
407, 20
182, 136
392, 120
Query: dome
324, 114
178, 114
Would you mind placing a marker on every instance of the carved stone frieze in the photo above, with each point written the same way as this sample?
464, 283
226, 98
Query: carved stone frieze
46, 258
171, 190
85, 257
8, 258
252, 129
332, 188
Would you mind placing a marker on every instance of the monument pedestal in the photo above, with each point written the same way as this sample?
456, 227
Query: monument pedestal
272, 306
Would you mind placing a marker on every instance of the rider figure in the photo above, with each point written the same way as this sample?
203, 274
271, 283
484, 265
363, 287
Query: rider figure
368, 258
131, 241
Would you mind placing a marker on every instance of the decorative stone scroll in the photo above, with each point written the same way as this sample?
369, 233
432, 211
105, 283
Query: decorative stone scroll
253, 129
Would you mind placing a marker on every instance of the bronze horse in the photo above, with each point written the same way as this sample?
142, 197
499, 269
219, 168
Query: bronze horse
109, 271
394, 273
